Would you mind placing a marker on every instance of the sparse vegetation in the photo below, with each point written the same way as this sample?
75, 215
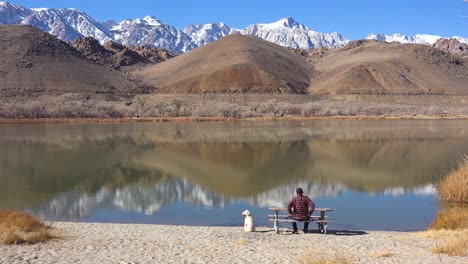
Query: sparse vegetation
456, 246
452, 218
453, 189
224, 105
242, 241
386, 254
314, 259
452, 193
19, 227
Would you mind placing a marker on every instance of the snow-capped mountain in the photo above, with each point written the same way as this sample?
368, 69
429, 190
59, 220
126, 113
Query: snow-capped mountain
66, 24
202, 34
287, 32
416, 39
12, 14
151, 31
70, 24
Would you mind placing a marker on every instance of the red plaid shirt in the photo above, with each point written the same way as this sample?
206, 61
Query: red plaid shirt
301, 207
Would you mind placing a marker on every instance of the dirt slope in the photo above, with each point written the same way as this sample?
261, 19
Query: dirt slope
235, 63
35, 62
371, 67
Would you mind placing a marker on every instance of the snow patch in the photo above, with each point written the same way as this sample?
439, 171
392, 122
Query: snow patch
424, 39
40, 9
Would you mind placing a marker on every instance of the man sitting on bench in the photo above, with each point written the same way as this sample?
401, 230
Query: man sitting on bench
301, 208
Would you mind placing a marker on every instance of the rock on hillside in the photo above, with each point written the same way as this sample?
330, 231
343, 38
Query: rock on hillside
453, 46
116, 54
92, 49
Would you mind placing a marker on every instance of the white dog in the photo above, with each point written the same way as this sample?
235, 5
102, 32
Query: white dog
249, 225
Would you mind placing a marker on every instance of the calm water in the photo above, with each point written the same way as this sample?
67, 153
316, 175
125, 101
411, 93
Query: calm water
376, 175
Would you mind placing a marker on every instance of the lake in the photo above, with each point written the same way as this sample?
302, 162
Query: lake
375, 174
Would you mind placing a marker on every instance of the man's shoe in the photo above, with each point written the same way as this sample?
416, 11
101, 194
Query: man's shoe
295, 232
306, 231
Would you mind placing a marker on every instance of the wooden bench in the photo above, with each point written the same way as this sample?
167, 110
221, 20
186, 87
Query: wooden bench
322, 220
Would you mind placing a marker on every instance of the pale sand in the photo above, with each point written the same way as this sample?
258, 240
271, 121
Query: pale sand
121, 243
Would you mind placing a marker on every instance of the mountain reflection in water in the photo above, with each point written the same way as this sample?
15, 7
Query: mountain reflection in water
78, 171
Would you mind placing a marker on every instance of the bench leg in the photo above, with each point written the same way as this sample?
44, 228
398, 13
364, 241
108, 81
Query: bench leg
276, 224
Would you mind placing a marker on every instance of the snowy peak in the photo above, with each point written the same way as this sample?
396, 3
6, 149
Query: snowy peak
202, 34
149, 21
287, 22
66, 24
289, 33
152, 21
416, 39
153, 32
12, 14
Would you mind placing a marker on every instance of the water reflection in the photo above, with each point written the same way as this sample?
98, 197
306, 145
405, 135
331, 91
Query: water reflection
71, 172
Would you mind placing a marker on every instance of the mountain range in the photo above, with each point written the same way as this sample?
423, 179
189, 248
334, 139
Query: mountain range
36, 62
70, 24
416, 39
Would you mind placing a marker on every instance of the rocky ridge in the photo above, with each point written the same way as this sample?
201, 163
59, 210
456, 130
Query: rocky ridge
116, 55
453, 46
423, 39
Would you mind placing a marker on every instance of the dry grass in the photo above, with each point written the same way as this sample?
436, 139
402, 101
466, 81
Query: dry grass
314, 259
452, 218
453, 189
233, 106
241, 242
386, 254
19, 227
456, 246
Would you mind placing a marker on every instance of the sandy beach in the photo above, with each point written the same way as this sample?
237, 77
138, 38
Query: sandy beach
132, 243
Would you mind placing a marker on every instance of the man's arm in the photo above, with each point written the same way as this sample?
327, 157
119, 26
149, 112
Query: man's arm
290, 205
311, 207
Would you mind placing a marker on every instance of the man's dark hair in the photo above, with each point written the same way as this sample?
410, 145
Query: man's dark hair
299, 191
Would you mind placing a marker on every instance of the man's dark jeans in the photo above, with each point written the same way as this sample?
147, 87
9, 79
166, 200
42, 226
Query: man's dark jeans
306, 225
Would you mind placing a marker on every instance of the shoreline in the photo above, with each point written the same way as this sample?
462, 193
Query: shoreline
214, 119
148, 243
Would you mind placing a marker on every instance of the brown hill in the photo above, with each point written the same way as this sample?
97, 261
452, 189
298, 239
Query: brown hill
234, 63
36, 62
372, 67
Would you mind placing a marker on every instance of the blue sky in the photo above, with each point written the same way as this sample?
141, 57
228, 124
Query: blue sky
353, 19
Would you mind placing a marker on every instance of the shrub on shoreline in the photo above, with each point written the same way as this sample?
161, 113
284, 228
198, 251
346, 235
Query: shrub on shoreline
456, 247
18, 227
452, 218
452, 192
454, 188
